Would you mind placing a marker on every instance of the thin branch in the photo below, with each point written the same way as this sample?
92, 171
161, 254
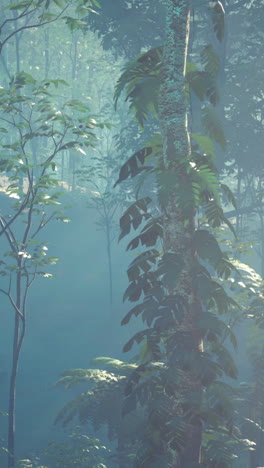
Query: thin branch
23, 205
22, 14
42, 225
37, 25
8, 234
13, 303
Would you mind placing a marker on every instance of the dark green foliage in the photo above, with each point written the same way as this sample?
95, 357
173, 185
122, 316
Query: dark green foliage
207, 246
79, 450
218, 18
93, 405
134, 215
140, 79
29, 112
214, 214
170, 355
213, 127
143, 262
116, 26
211, 61
151, 232
26, 15
194, 185
134, 165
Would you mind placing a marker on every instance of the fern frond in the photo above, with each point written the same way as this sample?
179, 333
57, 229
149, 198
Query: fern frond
72, 377
141, 81
119, 367
211, 61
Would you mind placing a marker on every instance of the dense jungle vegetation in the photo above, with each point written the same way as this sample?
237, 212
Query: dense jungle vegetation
131, 233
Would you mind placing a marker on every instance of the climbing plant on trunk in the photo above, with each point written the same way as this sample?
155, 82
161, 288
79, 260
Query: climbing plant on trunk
178, 220
188, 417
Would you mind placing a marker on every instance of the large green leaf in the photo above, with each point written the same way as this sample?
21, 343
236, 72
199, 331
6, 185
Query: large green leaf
143, 263
134, 215
207, 246
134, 165
151, 232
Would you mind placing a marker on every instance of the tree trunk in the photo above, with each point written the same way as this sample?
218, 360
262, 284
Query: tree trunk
109, 260
178, 225
17, 343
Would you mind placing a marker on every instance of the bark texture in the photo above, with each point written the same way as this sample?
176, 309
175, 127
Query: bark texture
179, 226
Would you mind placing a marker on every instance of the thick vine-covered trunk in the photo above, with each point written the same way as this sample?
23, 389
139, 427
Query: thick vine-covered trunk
178, 222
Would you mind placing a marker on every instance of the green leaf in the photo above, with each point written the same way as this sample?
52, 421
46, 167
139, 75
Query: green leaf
207, 246
23, 78
218, 18
149, 234
220, 300
227, 192
73, 23
211, 61
213, 127
138, 338
196, 80
19, 5
143, 263
169, 269
225, 360
134, 215
134, 311
134, 165
141, 81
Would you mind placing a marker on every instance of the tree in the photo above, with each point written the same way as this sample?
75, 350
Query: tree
40, 130
180, 297
188, 415
98, 179
177, 228
23, 15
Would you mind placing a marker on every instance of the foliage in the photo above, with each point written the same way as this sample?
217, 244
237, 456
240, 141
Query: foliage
40, 130
29, 176
192, 182
115, 26
201, 183
30, 463
93, 406
79, 450
28, 14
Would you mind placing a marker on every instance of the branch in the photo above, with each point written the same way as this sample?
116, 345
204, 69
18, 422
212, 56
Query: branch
8, 234
24, 13
253, 209
23, 205
42, 225
37, 25
13, 303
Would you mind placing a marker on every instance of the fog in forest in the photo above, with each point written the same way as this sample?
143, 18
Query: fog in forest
131, 234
